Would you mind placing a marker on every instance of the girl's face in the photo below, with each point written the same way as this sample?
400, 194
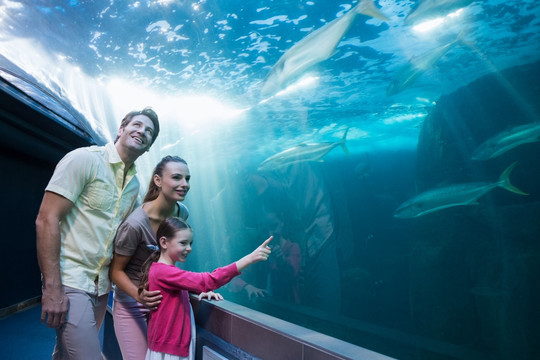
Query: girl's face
179, 247
175, 181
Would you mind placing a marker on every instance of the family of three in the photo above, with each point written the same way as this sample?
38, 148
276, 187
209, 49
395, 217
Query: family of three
88, 235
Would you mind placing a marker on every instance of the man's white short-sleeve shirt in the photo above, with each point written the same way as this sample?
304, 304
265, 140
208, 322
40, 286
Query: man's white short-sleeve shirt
92, 178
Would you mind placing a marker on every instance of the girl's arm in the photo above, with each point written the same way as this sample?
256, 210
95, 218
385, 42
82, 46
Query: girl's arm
171, 277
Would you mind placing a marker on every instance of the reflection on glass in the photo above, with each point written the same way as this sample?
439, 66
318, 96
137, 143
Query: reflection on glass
424, 110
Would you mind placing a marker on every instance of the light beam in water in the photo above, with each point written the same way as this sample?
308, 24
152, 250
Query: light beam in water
432, 24
192, 111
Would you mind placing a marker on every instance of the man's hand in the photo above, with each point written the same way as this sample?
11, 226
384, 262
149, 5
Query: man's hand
54, 307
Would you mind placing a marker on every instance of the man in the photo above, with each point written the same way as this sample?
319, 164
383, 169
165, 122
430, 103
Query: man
90, 193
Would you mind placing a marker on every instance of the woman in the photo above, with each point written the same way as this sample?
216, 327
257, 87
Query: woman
135, 240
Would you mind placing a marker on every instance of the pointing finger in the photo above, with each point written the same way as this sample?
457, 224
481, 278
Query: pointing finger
265, 243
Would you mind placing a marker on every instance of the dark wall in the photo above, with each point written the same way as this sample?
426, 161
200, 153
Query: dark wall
22, 184
32, 143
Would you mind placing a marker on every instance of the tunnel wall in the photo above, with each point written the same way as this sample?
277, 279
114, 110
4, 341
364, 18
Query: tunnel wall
32, 143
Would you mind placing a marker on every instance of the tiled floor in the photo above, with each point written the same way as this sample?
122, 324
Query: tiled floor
24, 337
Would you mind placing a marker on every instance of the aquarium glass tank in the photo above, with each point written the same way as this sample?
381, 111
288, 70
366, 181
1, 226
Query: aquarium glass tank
391, 147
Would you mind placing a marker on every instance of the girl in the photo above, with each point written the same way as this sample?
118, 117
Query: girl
171, 327
133, 245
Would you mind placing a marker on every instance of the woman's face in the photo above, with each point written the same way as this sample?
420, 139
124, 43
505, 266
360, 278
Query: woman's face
174, 181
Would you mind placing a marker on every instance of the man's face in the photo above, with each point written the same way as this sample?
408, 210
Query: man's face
137, 134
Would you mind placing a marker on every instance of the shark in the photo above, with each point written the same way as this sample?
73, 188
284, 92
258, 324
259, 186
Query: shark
453, 195
301, 153
316, 47
408, 73
428, 9
507, 140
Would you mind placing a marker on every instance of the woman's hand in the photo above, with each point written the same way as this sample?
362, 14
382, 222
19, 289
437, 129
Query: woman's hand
150, 299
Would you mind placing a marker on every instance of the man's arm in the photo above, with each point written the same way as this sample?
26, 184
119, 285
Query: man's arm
54, 302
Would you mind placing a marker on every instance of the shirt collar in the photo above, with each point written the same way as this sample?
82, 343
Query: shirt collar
114, 157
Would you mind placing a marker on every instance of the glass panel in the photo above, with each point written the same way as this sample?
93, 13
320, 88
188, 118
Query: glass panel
387, 146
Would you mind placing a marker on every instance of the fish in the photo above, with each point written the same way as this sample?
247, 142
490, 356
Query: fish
315, 48
429, 9
408, 73
302, 153
453, 195
507, 140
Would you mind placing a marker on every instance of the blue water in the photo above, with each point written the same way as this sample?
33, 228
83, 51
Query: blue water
456, 283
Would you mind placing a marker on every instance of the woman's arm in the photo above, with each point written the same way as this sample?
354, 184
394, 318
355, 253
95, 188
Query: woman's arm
149, 299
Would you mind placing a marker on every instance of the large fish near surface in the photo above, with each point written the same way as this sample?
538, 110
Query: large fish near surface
314, 48
301, 153
428, 9
507, 140
453, 195
408, 74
